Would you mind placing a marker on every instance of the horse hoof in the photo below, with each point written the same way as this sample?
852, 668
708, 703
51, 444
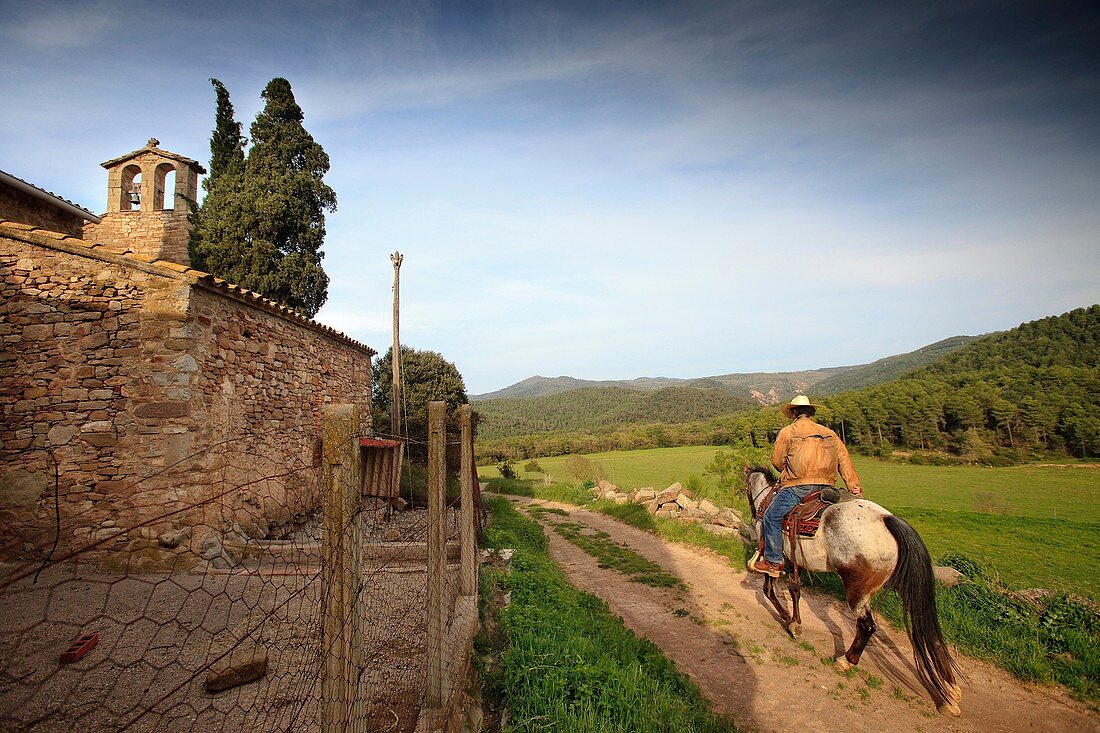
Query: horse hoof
949, 708
954, 694
841, 664
794, 629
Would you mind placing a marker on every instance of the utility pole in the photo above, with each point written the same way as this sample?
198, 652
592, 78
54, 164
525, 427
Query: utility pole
395, 392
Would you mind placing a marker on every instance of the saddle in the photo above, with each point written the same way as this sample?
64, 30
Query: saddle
805, 518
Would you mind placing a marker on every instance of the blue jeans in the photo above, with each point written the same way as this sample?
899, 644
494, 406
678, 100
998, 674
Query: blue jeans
785, 500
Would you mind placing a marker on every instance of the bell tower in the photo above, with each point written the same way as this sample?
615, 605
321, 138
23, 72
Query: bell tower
149, 195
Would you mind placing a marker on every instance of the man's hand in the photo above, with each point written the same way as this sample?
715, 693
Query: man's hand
856, 491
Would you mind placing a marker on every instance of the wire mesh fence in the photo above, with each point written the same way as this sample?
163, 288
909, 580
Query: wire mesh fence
254, 604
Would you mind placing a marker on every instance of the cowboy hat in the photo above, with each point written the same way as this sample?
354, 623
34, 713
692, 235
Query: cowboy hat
799, 401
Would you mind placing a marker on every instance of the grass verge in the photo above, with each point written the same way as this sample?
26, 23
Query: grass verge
560, 660
609, 554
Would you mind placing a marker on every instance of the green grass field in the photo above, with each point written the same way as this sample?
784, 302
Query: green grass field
1033, 526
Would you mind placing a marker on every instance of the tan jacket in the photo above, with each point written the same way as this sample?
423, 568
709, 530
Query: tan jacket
822, 472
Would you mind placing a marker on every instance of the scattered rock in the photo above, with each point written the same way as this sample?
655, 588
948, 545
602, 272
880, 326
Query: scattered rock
243, 665
686, 502
174, 538
727, 518
670, 493
606, 488
210, 548
652, 506
708, 507
621, 499
720, 530
949, 577
642, 496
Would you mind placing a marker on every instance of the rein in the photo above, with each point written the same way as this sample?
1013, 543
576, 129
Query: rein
769, 496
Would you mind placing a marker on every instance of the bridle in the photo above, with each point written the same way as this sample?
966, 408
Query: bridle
758, 514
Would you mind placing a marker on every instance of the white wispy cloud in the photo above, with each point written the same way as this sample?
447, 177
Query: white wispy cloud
61, 24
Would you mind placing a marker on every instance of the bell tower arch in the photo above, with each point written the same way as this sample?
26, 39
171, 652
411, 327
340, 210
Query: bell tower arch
137, 221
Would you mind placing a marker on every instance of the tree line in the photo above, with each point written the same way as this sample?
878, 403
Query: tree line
1003, 398
605, 408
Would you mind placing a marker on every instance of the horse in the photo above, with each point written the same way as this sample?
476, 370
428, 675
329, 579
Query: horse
869, 548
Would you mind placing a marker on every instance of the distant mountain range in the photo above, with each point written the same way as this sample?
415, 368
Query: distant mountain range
763, 387
995, 399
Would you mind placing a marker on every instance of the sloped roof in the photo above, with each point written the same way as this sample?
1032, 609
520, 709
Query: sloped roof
48, 196
73, 245
151, 147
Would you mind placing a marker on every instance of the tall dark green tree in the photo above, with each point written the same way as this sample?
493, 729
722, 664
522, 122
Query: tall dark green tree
217, 226
425, 376
226, 142
264, 228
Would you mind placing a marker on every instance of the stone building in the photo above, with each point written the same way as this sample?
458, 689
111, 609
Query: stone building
156, 388
24, 202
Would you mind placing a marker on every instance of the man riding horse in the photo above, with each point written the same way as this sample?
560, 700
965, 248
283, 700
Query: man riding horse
808, 455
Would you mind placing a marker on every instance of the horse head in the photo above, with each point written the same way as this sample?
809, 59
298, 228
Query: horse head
758, 480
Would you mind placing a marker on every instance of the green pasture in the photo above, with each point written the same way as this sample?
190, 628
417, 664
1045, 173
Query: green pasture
1031, 525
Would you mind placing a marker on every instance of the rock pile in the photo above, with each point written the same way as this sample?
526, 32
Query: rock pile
675, 502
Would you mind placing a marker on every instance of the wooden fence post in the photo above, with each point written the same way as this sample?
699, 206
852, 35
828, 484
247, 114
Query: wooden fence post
437, 548
341, 574
469, 535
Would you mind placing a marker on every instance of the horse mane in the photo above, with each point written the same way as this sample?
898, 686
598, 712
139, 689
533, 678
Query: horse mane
766, 470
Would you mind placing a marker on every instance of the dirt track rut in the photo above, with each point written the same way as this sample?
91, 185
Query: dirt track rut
731, 645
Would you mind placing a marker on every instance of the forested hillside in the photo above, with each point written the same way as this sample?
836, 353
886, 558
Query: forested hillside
763, 387
892, 367
604, 408
539, 386
1002, 398
1036, 386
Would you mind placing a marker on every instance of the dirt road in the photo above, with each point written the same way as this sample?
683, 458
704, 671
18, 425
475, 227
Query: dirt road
721, 632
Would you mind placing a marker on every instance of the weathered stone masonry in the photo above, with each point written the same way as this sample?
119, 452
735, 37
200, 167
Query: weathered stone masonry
155, 386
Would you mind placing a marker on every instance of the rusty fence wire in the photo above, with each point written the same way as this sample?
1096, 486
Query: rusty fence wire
207, 611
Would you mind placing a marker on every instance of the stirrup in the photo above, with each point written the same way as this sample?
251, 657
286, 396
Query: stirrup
752, 567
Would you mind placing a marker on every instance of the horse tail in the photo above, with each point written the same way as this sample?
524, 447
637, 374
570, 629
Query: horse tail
915, 584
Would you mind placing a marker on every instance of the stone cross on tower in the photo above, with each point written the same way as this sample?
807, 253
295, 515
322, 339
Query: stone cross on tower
137, 221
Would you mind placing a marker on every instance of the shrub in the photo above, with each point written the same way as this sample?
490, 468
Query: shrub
507, 470
583, 469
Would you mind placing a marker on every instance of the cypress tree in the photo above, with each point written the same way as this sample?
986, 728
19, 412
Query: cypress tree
264, 227
226, 142
218, 232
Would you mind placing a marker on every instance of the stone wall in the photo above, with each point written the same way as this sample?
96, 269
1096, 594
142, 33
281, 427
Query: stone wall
260, 387
74, 369
21, 206
154, 390
148, 235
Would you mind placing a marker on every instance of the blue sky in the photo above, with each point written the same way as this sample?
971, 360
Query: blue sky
612, 190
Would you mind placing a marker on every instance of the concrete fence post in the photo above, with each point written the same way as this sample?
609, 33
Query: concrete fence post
342, 534
437, 548
469, 534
